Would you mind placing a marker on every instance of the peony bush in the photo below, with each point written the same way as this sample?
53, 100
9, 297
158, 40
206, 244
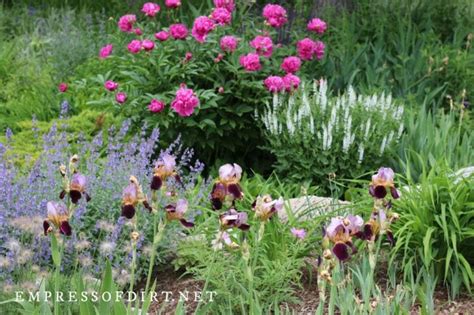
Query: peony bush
204, 79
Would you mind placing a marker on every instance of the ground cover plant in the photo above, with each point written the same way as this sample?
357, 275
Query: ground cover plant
223, 157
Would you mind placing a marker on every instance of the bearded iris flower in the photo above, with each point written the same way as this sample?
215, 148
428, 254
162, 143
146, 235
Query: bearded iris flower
227, 187
177, 212
340, 232
132, 195
378, 224
234, 219
76, 187
265, 207
165, 167
58, 217
381, 182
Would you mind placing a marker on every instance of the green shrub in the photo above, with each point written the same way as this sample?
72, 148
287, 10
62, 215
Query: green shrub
436, 227
228, 95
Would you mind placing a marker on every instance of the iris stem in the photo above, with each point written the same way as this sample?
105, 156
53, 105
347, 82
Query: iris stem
56, 275
132, 275
156, 240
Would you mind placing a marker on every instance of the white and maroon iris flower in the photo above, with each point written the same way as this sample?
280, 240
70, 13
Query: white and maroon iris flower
234, 219
165, 167
265, 207
132, 195
340, 231
227, 187
177, 212
58, 217
382, 182
379, 224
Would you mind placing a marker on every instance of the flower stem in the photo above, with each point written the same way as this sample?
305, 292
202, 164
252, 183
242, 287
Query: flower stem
156, 240
132, 275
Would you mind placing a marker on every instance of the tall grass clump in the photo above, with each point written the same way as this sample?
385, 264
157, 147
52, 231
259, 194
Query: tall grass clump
435, 232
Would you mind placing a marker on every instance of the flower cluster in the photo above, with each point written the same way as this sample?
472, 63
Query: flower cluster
74, 186
220, 16
225, 192
308, 49
341, 230
338, 235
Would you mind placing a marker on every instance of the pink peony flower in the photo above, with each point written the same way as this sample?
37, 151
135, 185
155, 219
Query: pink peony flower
105, 51
162, 36
250, 62
148, 45
219, 58
185, 101
221, 16
275, 15
188, 56
229, 5
298, 233
317, 25
111, 85
263, 45
291, 82
134, 46
156, 106
126, 22
229, 44
201, 27
308, 49
62, 87
173, 4
221, 90
138, 31
150, 9
178, 31
291, 64
319, 48
274, 84
121, 97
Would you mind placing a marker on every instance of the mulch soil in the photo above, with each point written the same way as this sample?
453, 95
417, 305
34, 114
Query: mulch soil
177, 283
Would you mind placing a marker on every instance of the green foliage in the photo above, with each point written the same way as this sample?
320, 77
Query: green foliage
39, 49
24, 146
313, 135
432, 139
228, 95
435, 230
418, 50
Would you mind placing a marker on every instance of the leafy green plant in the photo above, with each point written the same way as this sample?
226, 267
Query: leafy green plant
435, 229
431, 139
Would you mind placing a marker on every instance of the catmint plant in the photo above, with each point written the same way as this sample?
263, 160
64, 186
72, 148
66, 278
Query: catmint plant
96, 233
